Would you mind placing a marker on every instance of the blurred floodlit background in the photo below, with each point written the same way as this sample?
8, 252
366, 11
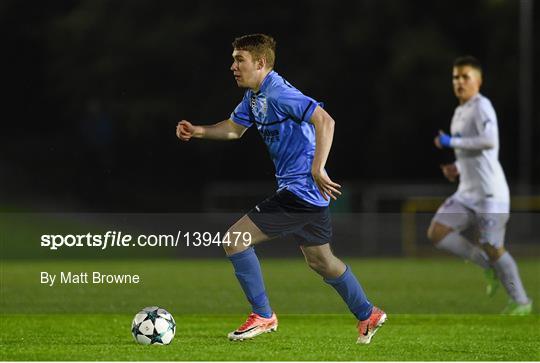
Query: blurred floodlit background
96, 89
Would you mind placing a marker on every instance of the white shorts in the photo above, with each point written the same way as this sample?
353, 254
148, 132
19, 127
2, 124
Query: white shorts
483, 222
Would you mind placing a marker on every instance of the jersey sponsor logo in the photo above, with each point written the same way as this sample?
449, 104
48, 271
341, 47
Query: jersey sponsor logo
269, 136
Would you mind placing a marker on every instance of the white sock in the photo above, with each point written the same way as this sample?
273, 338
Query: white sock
458, 245
508, 273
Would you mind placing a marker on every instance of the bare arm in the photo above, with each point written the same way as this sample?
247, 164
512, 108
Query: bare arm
224, 130
324, 134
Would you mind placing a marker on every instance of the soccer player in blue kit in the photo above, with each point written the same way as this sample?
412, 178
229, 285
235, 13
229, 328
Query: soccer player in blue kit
298, 133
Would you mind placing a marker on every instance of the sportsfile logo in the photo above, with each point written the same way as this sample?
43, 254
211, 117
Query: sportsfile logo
109, 239
121, 239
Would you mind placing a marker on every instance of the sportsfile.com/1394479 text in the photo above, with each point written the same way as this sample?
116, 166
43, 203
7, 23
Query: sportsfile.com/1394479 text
119, 239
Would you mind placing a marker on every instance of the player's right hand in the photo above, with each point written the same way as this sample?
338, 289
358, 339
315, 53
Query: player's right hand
327, 187
184, 130
450, 171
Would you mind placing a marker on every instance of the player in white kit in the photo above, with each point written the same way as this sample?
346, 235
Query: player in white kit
472, 222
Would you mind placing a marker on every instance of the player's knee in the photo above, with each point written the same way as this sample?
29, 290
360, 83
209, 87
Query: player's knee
494, 253
436, 232
231, 247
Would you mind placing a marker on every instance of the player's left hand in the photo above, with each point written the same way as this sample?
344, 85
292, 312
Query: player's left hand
326, 186
442, 140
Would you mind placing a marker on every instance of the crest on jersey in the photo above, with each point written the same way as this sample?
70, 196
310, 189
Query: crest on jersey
259, 106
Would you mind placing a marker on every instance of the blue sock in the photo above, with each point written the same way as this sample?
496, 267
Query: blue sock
248, 272
351, 292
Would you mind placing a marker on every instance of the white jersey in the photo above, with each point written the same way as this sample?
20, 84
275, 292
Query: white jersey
475, 139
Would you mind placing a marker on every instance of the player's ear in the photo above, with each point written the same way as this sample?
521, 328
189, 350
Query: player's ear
479, 76
261, 63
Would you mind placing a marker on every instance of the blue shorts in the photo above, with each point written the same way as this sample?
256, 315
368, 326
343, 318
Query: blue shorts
285, 213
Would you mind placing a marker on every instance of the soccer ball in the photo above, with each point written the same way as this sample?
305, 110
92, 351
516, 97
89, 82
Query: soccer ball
153, 325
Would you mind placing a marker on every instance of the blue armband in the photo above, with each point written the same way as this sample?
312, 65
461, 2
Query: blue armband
445, 139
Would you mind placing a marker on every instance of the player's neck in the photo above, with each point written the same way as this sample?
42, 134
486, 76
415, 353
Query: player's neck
260, 80
463, 101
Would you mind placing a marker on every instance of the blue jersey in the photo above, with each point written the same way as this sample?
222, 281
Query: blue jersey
281, 114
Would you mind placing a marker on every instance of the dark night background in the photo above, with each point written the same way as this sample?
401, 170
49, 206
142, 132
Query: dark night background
95, 89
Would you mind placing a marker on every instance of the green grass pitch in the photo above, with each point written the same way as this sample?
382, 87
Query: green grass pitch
437, 310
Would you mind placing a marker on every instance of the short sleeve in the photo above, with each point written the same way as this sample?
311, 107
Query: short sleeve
241, 114
298, 106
